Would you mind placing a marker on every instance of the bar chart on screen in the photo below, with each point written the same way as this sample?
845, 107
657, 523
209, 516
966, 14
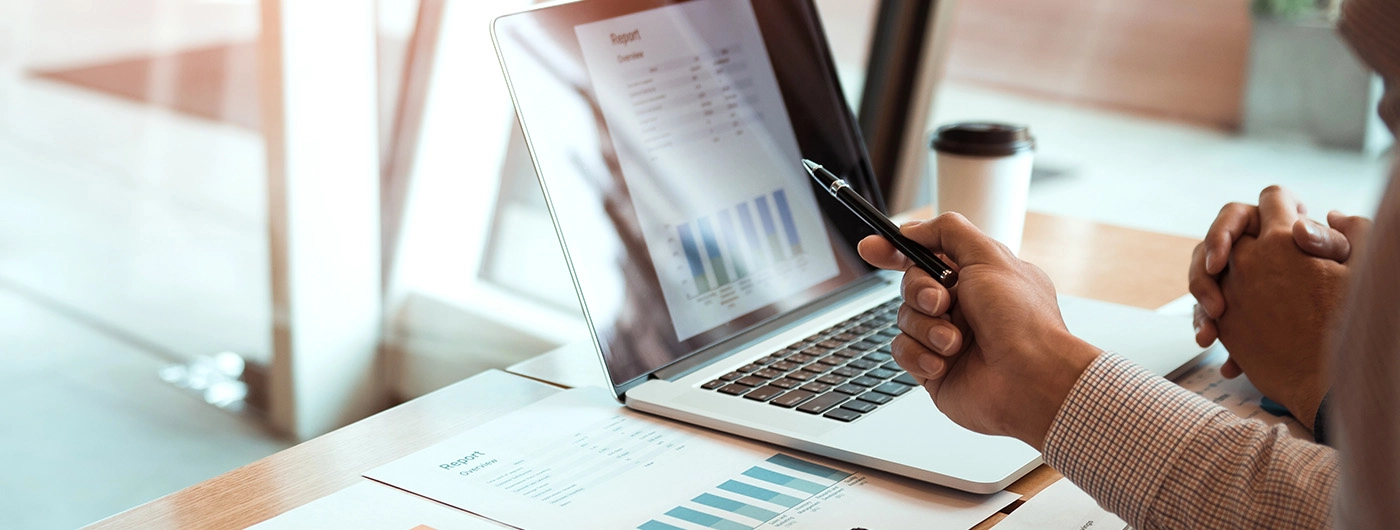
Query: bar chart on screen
738, 250
703, 138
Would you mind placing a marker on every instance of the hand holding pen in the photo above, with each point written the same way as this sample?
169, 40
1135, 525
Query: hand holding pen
994, 353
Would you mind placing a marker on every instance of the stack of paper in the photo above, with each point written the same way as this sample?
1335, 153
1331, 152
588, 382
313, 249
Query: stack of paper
579, 460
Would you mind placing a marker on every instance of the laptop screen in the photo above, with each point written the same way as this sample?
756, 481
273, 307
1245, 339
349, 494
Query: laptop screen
668, 138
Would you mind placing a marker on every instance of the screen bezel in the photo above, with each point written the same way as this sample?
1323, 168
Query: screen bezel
838, 145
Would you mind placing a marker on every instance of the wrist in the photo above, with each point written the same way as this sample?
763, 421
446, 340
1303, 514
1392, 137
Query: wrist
1064, 360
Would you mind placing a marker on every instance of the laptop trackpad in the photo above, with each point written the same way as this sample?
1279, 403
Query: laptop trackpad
913, 431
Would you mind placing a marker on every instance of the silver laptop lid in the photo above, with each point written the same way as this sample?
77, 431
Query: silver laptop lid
667, 137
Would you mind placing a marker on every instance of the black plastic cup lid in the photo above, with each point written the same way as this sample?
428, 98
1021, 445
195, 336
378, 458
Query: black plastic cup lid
983, 139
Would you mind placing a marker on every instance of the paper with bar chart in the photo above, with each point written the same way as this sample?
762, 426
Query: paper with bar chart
579, 456
710, 159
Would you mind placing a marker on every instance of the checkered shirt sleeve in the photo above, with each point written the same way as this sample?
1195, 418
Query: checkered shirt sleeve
1162, 457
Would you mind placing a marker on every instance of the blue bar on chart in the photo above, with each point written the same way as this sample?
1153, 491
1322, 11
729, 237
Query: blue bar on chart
705, 519
731, 505
692, 255
774, 477
750, 234
745, 503
707, 234
731, 242
810, 468
780, 197
769, 227
762, 494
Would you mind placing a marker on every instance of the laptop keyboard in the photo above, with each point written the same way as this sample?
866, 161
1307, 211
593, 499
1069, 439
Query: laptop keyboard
841, 372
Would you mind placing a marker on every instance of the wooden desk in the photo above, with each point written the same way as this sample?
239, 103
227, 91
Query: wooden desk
1083, 258
327, 464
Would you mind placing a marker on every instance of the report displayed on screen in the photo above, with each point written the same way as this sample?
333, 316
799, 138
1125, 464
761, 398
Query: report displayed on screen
689, 90
668, 137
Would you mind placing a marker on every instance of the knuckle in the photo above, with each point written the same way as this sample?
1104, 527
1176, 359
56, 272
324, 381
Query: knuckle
1035, 272
945, 216
1276, 236
1234, 208
952, 218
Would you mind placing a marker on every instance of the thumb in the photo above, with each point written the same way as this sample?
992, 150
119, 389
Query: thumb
953, 235
1356, 228
1321, 241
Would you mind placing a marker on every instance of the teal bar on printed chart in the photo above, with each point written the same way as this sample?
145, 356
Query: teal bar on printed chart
751, 511
762, 494
705, 519
774, 477
730, 505
810, 468
657, 525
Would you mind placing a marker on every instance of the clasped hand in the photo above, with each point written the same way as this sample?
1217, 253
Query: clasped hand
1269, 284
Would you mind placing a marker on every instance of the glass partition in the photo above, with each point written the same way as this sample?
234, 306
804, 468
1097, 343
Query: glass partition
133, 242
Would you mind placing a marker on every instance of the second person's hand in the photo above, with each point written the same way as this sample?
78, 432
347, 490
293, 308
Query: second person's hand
1236, 220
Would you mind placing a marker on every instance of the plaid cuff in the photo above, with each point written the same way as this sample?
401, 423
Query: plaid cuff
1119, 433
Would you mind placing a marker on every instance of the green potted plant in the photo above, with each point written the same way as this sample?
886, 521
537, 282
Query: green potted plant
1304, 82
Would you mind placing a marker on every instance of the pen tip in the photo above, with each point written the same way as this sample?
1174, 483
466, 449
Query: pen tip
810, 165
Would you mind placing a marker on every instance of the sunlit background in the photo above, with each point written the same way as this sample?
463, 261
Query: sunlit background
134, 255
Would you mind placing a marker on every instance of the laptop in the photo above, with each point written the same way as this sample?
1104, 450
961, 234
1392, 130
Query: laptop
722, 288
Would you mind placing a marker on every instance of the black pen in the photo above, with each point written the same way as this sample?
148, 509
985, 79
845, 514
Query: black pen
921, 256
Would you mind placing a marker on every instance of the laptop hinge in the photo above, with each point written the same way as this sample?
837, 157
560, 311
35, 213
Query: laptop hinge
766, 330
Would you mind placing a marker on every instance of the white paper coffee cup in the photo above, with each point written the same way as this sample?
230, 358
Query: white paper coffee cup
983, 171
